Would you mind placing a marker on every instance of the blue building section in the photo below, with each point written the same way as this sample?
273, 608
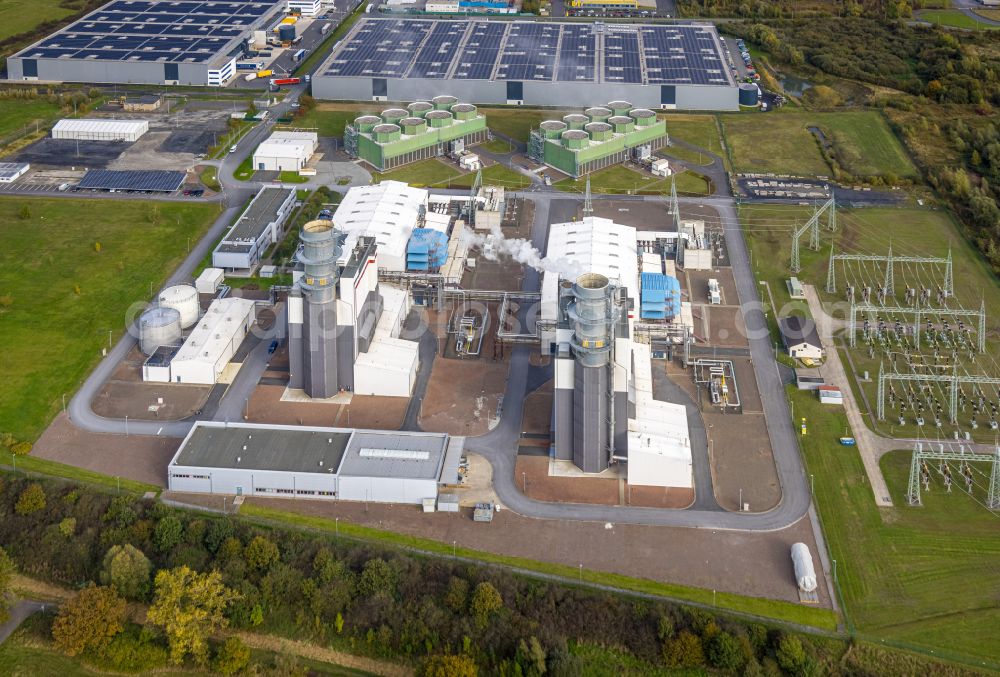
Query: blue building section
660, 298
427, 250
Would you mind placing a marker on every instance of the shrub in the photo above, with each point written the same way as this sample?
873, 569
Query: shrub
67, 527
232, 657
89, 621
20, 448
684, 651
126, 568
261, 553
135, 652
168, 533
32, 499
723, 651
790, 653
449, 666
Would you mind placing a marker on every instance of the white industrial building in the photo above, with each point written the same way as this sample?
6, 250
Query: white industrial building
304, 7
213, 342
100, 130
387, 211
389, 368
285, 151
12, 171
258, 227
604, 410
315, 463
209, 280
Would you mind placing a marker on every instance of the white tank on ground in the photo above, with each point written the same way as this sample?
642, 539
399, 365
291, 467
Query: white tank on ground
184, 299
159, 326
805, 574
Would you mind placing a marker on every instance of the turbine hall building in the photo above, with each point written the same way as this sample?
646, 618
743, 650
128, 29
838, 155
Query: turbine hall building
542, 63
420, 131
600, 137
156, 42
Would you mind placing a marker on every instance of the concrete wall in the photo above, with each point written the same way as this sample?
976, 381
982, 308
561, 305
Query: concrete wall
73, 70
251, 482
387, 490
563, 94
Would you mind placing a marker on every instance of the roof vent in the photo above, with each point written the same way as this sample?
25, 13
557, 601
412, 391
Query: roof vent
321, 464
239, 458
244, 447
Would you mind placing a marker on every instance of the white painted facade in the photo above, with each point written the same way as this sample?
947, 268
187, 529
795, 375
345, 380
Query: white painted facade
209, 280
285, 151
304, 7
100, 130
389, 368
213, 342
387, 211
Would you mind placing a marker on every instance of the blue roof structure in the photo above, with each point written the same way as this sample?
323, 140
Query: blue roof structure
427, 250
156, 181
660, 296
540, 51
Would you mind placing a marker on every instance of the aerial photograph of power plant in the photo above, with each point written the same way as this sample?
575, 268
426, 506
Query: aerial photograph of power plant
516, 338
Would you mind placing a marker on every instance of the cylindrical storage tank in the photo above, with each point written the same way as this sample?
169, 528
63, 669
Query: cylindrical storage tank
598, 114
575, 120
412, 126
620, 107
575, 138
394, 115
444, 102
159, 326
623, 124
385, 133
805, 574
366, 123
184, 299
463, 111
599, 131
592, 319
643, 117
286, 32
553, 129
438, 118
749, 94
320, 251
418, 109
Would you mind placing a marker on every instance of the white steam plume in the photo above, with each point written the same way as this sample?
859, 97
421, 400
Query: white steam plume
522, 251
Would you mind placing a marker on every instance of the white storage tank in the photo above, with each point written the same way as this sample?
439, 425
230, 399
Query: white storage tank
805, 574
184, 299
159, 326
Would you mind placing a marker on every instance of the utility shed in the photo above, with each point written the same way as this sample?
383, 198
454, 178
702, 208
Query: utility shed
285, 151
100, 130
800, 337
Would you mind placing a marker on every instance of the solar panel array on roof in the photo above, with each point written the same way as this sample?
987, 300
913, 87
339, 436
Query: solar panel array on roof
159, 181
530, 51
153, 30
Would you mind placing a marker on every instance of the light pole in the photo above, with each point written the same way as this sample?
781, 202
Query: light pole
336, 527
126, 426
581, 573
524, 481
834, 571
64, 403
454, 549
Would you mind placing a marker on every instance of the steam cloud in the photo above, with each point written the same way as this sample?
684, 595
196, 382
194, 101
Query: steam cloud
522, 251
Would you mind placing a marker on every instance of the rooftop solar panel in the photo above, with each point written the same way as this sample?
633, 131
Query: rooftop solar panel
108, 179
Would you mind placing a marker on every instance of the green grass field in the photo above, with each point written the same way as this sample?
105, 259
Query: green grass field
781, 143
59, 296
15, 114
434, 173
910, 575
517, 123
619, 179
699, 130
328, 120
210, 178
495, 175
954, 19
15, 19
498, 145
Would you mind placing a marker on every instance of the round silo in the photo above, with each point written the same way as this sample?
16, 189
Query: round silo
159, 326
418, 109
413, 126
620, 107
286, 32
394, 115
575, 120
184, 299
598, 114
623, 124
749, 94
599, 131
575, 138
444, 102
553, 129
385, 133
463, 111
643, 117
438, 118
366, 123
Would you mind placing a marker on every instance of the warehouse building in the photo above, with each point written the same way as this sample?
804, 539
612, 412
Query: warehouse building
258, 227
423, 130
386, 211
213, 342
603, 406
285, 151
603, 136
663, 66
308, 8
157, 42
12, 171
100, 130
315, 463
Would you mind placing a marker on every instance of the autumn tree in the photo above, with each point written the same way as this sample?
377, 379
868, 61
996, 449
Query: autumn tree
486, 601
232, 657
449, 666
189, 607
89, 621
126, 568
168, 533
261, 553
6, 575
32, 499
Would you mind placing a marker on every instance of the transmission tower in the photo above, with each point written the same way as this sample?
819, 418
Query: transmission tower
925, 454
890, 260
812, 227
675, 208
588, 203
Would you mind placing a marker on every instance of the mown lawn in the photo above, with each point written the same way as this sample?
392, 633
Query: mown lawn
781, 143
59, 296
955, 19
19, 17
621, 180
420, 174
517, 123
16, 113
699, 130
495, 175
918, 576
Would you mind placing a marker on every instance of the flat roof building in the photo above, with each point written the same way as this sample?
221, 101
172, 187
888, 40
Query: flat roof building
12, 171
100, 130
213, 342
285, 151
551, 63
258, 227
387, 211
161, 42
315, 462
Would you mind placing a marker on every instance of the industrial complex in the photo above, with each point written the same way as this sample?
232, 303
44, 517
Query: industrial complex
530, 63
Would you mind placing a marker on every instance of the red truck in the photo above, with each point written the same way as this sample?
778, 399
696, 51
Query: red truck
277, 82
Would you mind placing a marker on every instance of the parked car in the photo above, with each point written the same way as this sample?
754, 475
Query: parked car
271, 348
